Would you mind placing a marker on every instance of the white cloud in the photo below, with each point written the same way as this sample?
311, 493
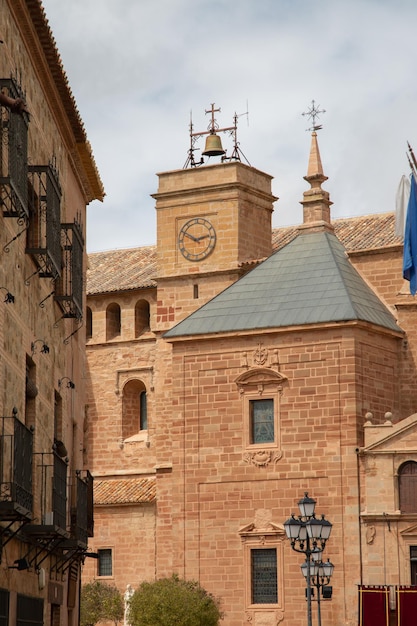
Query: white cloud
137, 69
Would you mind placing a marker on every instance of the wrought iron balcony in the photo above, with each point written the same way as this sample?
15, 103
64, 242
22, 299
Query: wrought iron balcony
69, 287
16, 453
53, 498
13, 155
82, 525
44, 232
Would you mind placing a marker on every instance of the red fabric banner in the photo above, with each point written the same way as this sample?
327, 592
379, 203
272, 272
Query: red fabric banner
406, 606
374, 605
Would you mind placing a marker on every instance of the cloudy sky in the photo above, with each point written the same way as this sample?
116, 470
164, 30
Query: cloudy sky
138, 68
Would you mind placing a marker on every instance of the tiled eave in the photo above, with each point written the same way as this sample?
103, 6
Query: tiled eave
39, 40
124, 491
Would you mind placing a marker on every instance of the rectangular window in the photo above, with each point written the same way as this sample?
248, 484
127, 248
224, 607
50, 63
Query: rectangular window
261, 415
29, 611
264, 576
105, 562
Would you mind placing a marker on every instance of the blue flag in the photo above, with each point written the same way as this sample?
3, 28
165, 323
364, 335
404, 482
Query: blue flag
410, 240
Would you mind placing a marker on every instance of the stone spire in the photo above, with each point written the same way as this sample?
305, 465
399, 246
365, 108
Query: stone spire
316, 201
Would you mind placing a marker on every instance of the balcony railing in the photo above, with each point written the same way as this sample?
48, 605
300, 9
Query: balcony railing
16, 453
13, 155
82, 512
44, 232
69, 287
53, 497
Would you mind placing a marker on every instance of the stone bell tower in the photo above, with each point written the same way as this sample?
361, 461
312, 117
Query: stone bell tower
213, 221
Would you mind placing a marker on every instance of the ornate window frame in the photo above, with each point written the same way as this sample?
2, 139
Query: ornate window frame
253, 537
256, 384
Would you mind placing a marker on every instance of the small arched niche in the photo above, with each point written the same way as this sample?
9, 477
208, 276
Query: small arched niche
142, 317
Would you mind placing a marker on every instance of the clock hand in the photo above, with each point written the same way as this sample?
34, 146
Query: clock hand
190, 236
202, 237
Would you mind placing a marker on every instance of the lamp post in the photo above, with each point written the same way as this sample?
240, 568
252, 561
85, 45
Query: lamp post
320, 575
307, 535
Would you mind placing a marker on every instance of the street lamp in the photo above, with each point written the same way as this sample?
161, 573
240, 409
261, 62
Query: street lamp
308, 535
320, 575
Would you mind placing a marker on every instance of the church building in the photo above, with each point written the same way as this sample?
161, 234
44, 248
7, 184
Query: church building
233, 368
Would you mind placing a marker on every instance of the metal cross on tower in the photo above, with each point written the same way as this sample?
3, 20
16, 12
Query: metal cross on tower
313, 113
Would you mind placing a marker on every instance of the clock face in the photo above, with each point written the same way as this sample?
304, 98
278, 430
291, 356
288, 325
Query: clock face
196, 239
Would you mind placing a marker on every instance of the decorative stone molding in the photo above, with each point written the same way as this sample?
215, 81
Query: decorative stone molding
260, 355
123, 376
264, 617
370, 534
261, 534
262, 458
260, 378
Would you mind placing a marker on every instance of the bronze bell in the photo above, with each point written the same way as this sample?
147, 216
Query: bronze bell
213, 146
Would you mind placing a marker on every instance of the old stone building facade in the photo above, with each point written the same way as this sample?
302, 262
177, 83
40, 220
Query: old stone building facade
47, 178
232, 368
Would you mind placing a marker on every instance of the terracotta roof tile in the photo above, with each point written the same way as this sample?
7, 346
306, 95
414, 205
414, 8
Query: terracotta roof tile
368, 232
135, 268
120, 270
124, 491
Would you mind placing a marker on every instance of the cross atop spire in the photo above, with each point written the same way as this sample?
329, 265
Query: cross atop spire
313, 114
316, 201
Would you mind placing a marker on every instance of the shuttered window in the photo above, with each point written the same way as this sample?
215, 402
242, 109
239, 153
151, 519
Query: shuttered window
29, 611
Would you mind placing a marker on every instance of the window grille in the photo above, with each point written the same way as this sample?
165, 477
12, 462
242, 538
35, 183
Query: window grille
264, 576
44, 232
69, 286
262, 421
105, 565
13, 155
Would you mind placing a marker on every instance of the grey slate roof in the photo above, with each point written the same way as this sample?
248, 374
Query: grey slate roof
308, 281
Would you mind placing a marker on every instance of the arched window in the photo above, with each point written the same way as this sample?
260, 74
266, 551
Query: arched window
135, 416
89, 323
113, 321
407, 486
142, 317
